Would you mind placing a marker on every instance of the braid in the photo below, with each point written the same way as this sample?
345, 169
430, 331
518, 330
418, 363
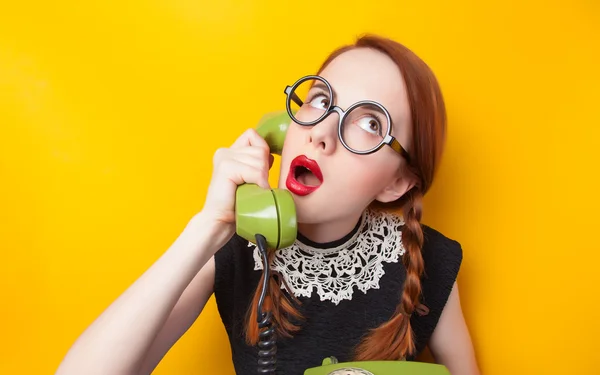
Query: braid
283, 309
393, 340
413, 261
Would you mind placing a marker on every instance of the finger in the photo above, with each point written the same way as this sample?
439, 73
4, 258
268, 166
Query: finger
251, 175
250, 138
242, 140
240, 172
252, 155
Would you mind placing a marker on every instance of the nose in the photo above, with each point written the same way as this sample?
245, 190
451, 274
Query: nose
323, 135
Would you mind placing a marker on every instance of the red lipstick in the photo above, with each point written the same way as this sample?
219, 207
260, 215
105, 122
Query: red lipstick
300, 167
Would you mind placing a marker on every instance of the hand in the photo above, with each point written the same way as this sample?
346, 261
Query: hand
248, 160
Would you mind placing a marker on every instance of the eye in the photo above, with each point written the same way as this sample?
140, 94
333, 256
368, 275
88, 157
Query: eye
369, 124
320, 101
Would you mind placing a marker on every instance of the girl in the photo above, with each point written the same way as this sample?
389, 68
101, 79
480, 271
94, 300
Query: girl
364, 280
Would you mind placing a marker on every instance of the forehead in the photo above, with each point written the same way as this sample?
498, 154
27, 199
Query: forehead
367, 74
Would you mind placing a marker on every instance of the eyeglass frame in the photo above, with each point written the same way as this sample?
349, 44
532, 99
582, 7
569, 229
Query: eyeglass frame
388, 140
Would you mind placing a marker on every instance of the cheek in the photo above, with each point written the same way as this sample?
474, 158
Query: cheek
364, 177
293, 137
290, 148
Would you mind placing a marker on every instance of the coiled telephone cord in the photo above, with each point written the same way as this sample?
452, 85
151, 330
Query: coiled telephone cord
267, 343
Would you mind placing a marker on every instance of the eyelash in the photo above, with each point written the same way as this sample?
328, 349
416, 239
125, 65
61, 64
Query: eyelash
320, 92
376, 115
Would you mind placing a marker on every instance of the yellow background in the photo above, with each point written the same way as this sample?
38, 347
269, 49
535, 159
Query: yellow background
110, 113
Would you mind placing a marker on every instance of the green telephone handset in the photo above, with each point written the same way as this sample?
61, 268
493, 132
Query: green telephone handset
271, 213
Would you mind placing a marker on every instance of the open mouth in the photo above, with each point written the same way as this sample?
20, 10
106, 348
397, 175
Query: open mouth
304, 176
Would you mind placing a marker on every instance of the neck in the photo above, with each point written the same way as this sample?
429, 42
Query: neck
329, 231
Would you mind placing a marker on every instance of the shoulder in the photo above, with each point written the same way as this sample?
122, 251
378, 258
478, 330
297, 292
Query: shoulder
235, 255
442, 255
442, 258
440, 252
235, 281
227, 253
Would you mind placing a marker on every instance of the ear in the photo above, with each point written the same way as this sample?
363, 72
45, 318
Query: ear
397, 188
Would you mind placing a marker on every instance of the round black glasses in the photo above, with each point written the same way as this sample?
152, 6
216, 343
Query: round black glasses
364, 128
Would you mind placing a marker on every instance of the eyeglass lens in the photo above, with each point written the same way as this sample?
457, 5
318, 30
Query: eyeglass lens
364, 126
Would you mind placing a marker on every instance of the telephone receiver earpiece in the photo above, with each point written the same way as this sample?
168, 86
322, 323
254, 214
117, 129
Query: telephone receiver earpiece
269, 212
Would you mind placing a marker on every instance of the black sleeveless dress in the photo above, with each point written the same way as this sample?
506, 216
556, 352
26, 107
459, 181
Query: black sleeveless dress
364, 276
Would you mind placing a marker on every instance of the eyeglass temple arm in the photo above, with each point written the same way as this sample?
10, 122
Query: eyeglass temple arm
399, 149
294, 97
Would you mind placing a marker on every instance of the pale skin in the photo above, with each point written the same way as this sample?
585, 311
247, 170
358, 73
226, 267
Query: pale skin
136, 331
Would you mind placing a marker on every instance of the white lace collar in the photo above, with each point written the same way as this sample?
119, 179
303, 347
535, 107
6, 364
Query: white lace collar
335, 272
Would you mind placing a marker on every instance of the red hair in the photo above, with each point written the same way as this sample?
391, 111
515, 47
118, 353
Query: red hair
393, 340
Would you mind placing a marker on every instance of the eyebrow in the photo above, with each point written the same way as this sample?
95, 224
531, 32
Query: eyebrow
322, 86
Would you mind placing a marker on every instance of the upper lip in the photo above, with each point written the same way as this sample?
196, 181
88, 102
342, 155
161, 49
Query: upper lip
311, 165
